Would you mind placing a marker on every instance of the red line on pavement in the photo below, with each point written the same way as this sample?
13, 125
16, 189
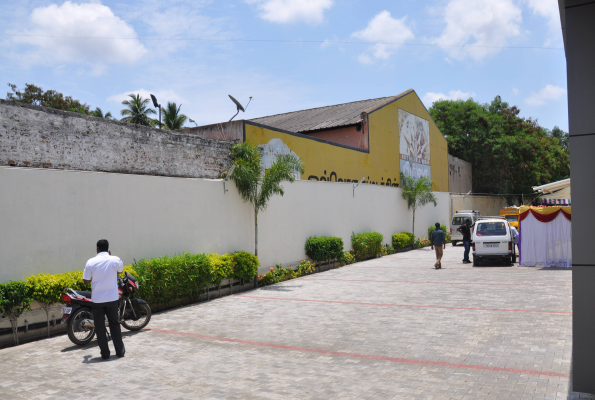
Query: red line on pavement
491, 269
404, 305
364, 356
439, 283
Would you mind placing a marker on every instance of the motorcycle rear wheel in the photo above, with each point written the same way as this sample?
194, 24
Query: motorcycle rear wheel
76, 332
129, 323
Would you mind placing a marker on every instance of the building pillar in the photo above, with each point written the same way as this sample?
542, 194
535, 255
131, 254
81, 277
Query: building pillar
578, 21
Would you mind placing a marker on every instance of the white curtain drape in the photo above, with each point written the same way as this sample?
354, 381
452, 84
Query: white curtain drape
546, 243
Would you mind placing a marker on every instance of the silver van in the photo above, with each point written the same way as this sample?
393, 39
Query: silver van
459, 219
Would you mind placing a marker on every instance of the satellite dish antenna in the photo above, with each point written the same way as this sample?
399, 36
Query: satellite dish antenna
238, 105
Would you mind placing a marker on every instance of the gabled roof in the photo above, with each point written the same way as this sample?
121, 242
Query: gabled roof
552, 187
325, 117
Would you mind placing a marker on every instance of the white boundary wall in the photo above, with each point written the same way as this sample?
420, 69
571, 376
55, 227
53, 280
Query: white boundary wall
51, 219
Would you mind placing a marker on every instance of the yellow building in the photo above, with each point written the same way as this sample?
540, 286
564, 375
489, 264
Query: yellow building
373, 139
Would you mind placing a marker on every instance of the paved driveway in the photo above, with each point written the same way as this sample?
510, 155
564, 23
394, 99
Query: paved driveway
387, 328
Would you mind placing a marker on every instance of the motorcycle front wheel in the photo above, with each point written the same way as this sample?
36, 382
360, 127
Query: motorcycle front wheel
77, 333
143, 314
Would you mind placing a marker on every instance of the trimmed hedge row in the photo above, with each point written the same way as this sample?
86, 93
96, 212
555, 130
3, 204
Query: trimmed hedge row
166, 279
323, 248
402, 240
366, 245
162, 281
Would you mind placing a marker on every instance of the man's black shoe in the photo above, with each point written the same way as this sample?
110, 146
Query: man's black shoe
105, 357
120, 355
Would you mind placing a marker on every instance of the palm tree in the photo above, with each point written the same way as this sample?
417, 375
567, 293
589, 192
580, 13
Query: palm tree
418, 193
172, 119
255, 184
137, 111
99, 114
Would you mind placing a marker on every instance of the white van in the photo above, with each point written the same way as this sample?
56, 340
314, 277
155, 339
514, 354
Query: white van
459, 219
492, 240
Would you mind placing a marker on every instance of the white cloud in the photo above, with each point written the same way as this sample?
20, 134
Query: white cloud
163, 96
548, 9
286, 11
429, 98
549, 92
383, 29
179, 19
51, 24
515, 91
480, 27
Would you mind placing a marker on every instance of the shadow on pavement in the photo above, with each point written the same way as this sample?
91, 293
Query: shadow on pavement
278, 288
93, 342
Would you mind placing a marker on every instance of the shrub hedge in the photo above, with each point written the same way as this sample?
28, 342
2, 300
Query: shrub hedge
402, 240
280, 273
322, 248
366, 245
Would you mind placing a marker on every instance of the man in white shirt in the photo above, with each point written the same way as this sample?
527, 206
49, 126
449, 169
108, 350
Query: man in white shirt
515, 242
102, 271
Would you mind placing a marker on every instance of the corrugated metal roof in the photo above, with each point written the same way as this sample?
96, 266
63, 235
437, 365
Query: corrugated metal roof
324, 117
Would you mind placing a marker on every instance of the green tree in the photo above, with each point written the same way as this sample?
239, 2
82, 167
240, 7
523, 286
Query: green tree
99, 114
560, 135
172, 119
15, 299
137, 111
417, 193
508, 154
257, 185
46, 289
50, 98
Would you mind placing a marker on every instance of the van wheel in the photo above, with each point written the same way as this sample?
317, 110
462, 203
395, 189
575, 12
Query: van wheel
454, 242
509, 261
475, 261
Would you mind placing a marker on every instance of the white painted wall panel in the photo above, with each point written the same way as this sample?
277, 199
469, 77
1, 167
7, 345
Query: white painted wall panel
51, 219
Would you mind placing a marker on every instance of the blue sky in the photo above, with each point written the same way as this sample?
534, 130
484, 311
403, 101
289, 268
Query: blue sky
440, 48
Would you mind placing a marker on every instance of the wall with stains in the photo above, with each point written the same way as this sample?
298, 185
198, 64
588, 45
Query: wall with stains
40, 137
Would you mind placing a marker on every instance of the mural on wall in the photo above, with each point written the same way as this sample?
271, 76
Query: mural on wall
414, 145
274, 148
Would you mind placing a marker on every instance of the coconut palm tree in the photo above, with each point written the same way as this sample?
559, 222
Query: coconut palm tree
99, 114
137, 111
255, 184
172, 119
417, 193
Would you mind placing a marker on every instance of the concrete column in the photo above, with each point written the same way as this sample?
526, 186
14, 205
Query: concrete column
578, 19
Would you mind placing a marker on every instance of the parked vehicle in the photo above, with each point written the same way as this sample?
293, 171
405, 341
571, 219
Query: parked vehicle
134, 314
459, 219
512, 215
492, 240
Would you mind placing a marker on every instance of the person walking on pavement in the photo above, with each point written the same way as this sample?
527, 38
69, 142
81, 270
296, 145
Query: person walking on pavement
438, 242
102, 271
515, 242
466, 231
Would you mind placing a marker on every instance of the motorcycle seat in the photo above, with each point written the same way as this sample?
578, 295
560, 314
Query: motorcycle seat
82, 293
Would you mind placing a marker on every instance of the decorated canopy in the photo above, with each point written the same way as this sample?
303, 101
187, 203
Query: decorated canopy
545, 236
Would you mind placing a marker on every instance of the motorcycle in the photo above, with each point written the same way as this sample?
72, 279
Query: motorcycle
134, 314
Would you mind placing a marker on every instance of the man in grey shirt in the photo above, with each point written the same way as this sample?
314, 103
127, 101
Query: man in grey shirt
438, 242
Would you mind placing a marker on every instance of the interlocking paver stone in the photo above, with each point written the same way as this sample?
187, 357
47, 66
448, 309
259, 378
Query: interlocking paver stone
389, 328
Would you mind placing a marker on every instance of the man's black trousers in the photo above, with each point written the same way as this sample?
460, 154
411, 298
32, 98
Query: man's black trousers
100, 310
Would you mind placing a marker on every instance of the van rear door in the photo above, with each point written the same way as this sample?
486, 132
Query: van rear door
492, 237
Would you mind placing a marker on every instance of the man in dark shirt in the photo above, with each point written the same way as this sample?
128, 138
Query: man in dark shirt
438, 242
466, 231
